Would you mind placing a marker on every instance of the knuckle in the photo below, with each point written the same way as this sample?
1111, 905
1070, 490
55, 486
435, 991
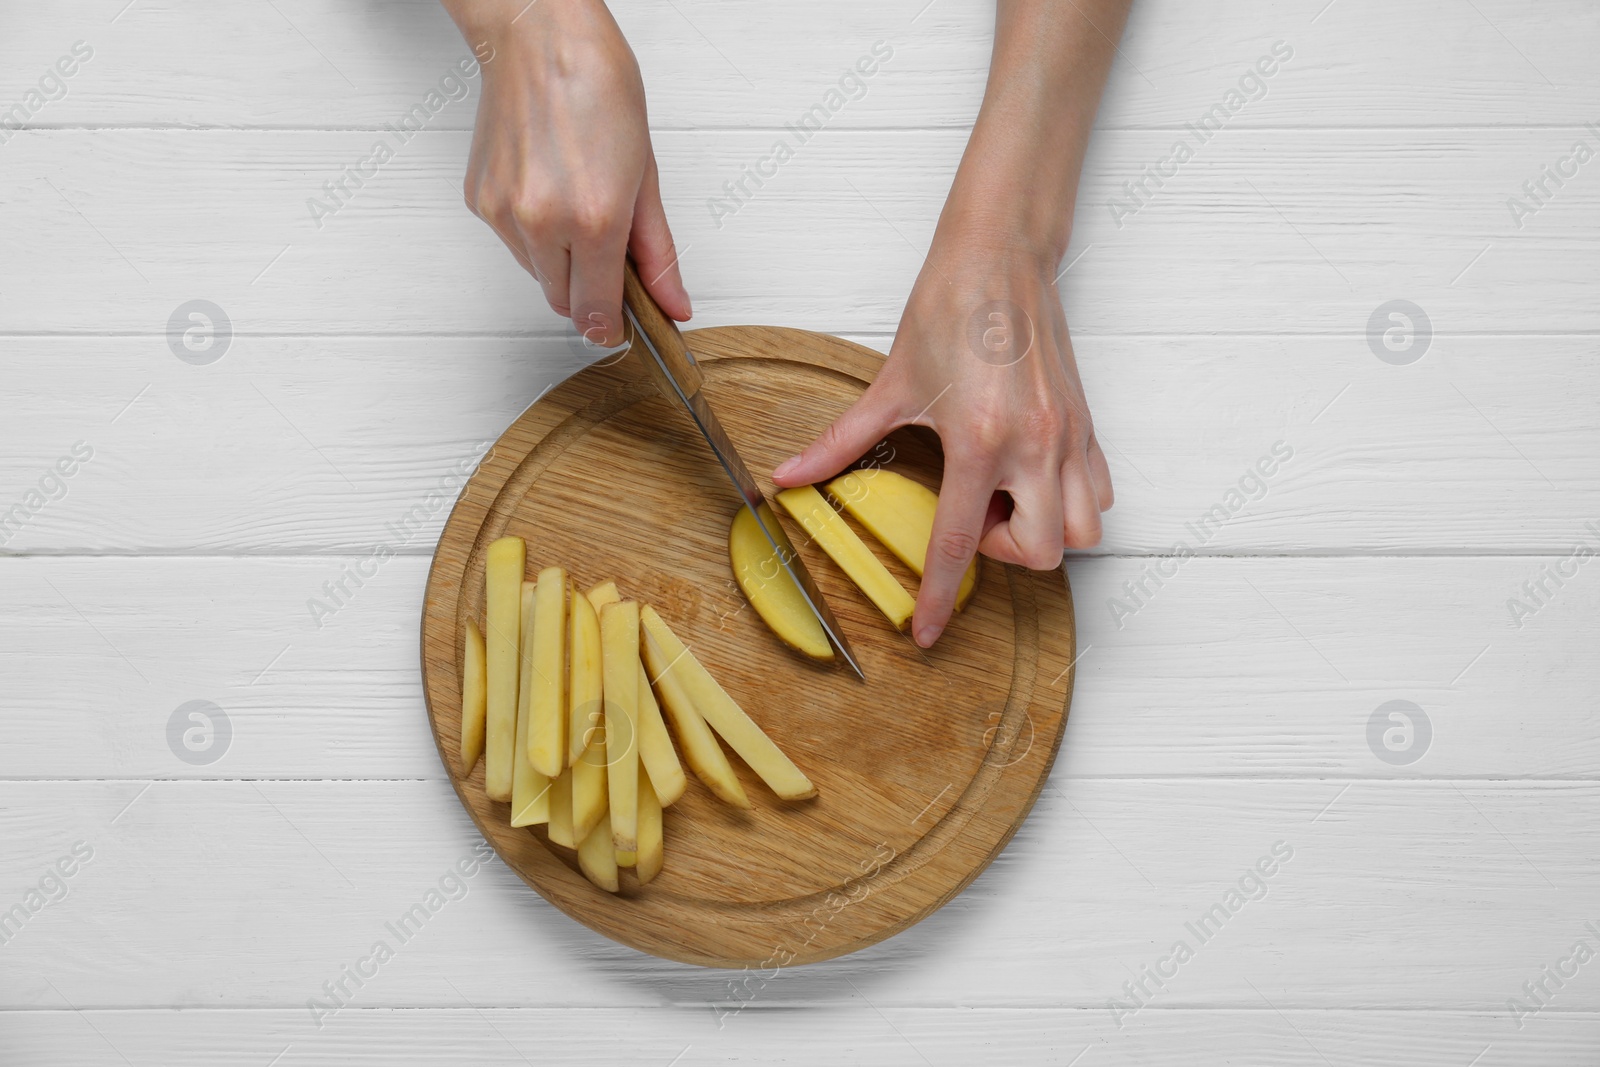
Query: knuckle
955, 547
1041, 558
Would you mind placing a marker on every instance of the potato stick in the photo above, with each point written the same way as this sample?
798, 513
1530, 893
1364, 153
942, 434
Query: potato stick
560, 828
547, 726
583, 687
725, 716
655, 746
840, 542
506, 559
530, 790
597, 858
603, 594
474, 697
651, 845
619, 662
700, 749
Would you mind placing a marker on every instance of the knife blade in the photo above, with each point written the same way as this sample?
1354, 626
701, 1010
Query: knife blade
681, 380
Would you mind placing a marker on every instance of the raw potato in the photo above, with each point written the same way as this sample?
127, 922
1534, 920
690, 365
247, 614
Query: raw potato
474, 697
560, 828
547, 727
700, 749
597, 858
506, 559
583, 685
530, 790
589, 787
851, 553
619, 660
603, 594
656, 754
770, 589
651, 845
899, 513
724, 715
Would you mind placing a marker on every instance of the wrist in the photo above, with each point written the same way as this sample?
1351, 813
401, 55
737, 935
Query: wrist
497, 20
1013, 217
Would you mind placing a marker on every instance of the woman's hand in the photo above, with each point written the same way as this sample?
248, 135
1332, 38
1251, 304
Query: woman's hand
982, 356
561, 163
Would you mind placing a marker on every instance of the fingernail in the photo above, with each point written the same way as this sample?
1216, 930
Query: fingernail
786, 466
928, 635
688, 308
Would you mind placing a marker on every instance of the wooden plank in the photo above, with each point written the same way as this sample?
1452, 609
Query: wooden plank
331, 445
856, 1031
269, 889
717, 63
1299, 232
1232, 668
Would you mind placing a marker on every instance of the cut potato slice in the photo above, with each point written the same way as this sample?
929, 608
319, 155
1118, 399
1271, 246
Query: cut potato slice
589, 789
603, 594
656, 754
530, 789
560, 828
770, 589
597, 859
651, 845
724, 715
700, 749
506, 560
817, 517
547, 727
474, 697
899, 513
619, 661
583, 683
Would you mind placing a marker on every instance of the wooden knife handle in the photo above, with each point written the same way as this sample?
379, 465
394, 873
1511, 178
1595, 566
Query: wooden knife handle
662, 333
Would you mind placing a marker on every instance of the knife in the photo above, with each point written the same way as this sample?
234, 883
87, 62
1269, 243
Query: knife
672, 367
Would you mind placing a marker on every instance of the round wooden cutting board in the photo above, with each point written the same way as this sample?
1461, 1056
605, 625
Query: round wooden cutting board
923, 772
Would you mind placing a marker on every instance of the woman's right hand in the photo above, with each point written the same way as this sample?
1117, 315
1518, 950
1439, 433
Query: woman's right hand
561, 165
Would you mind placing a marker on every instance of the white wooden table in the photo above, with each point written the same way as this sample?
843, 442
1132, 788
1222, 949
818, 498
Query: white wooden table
1438, 862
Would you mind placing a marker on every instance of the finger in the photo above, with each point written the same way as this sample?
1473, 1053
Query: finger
957, 527
1033, 536
653, 250
841, 444
1082, 505
552, 266
1100, 476
597, 255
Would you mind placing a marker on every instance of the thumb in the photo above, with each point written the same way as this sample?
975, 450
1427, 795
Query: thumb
653, 251
847, 440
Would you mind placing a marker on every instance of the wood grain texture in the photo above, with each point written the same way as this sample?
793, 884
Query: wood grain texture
892, 1037
1400, 895
924, 772
719, 64
1244, 697
334, 445
1301, 231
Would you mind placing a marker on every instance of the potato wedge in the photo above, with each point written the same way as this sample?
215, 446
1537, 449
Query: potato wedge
505, 562
724, 715
530, 789
583, 680
597, 857
656, 754
474, 697
619, 661
700, 748
817, 517
547, 727
590, 790
770, 590
651, 844
899, 513
560, 828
